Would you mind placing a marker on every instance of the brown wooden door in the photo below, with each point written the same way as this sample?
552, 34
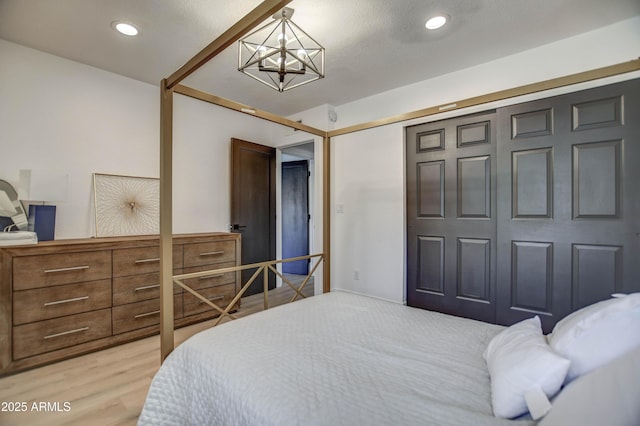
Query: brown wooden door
253, 205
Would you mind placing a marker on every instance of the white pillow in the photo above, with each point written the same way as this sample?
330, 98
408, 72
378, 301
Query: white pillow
520, 360
597, 334
609, 395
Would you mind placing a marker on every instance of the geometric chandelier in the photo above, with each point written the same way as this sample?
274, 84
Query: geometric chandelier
280, 54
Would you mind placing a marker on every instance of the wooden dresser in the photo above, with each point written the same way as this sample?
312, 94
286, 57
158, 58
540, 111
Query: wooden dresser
64, 298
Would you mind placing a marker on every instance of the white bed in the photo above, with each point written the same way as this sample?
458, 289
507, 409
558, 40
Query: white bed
344, 359
333, 359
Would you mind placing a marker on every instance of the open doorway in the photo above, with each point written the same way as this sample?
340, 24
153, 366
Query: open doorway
295, 215
297, 182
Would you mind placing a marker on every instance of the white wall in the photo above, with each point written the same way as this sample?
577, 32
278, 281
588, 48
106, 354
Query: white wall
367, 168
60, 115
367, 219
607, 46
317, 117
201, 161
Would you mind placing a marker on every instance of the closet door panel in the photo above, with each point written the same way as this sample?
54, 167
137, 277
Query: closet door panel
597, 114
597, 273
451, 212
474, 187
532, 123
568, 178
596, 180
532, 184
430, 276
430, 189
531, 276
474, 269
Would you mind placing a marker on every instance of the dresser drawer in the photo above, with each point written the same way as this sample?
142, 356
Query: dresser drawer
220, 295
209, 253
210, 280
135, 288
141, 314
45, 336
55, 269
141, 260
58, 301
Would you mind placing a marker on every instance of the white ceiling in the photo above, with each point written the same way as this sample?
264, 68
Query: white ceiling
371, 45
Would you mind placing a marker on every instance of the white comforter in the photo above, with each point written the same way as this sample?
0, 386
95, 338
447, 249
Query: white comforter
335, 359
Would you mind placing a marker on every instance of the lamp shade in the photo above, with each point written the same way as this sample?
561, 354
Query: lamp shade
6, 206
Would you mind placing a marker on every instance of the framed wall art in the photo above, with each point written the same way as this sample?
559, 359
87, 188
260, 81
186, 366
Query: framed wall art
126, 205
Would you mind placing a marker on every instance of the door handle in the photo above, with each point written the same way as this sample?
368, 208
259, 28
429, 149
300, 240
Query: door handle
235, 227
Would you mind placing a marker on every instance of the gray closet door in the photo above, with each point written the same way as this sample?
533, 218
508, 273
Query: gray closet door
569, 202
451, 216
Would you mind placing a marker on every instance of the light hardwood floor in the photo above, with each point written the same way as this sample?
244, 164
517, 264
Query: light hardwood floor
103, 388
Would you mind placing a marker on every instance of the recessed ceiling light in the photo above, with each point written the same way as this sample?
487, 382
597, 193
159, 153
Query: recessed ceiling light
124, 28
436, 22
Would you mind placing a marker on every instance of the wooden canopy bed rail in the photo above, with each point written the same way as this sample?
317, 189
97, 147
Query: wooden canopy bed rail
172, 85
260, 268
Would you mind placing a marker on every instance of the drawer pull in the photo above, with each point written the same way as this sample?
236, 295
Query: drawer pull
73, 268
213, 299
212, 253
58, 302
212, 276
155, 259
147, 287
148, 314
64, 333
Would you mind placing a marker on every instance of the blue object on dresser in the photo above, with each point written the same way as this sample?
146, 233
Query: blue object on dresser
42, 221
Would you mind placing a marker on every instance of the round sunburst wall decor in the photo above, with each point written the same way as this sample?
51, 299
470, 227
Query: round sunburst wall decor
126, 205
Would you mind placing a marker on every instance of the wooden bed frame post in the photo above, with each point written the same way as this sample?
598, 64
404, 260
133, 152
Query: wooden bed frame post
263, 11
326, 213
265, 287
166, 220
